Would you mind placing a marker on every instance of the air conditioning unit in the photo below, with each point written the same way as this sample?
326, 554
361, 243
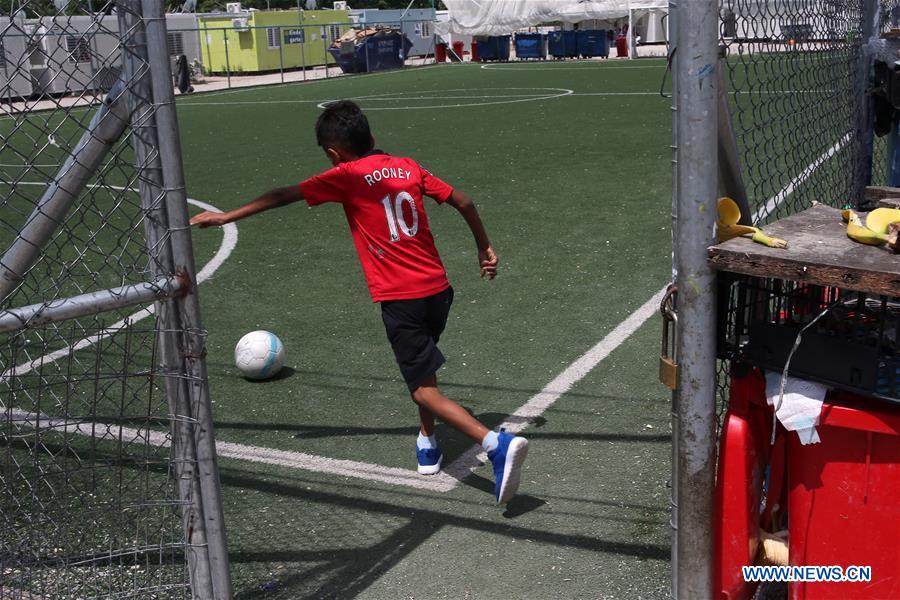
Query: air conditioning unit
239, 24
233, 7
340, 5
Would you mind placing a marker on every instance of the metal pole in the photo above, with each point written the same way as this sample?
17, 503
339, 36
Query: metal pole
325, 47
864, 103
672, 40
303, 52
694, 224
227, 61
137, 77
193, 350
91, 303
281, 53
104, 130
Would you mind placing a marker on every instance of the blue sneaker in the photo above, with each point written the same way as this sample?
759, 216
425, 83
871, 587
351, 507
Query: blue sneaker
429, 460
507, 460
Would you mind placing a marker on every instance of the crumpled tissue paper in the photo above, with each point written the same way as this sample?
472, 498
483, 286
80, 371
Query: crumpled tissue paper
801, 406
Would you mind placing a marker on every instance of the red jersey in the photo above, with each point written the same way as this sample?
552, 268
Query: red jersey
382, 198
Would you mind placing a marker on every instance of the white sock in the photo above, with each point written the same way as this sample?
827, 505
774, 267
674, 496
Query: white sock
490, 441
426, 442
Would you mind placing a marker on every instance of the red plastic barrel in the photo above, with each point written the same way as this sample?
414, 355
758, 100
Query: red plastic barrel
458, 49
474, 50
440, 52
622, 47
744, 453
842, 498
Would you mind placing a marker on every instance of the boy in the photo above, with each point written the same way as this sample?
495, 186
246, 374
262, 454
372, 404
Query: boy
382, 199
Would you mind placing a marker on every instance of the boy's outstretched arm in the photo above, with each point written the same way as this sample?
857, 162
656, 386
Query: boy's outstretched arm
271, 199
487, 258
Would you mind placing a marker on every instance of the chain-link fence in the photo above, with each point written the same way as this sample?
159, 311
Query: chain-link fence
795, 77
108, 479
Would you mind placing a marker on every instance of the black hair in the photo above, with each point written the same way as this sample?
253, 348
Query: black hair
343, 125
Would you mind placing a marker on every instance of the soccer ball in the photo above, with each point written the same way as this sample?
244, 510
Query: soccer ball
259, 355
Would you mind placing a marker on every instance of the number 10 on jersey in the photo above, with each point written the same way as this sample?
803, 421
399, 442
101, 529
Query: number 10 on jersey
395, 217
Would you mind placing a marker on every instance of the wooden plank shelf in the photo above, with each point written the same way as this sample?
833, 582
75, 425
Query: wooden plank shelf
885, 196
819, 253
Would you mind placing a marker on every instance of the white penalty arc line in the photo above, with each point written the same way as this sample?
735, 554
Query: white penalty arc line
229, 241
554, 93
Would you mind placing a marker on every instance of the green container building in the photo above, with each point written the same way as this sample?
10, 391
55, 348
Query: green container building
257, 41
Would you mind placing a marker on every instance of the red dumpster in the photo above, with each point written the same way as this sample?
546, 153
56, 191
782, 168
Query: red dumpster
458, 49
440, 52
474, 50
622, 47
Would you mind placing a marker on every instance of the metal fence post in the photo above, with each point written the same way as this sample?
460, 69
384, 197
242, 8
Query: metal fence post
281, 53
136, 71
192, 347
673, 62
303, 52
325, 48
227, 61
693, 224
862, 174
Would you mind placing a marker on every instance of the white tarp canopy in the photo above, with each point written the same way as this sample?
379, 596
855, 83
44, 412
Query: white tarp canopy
501, 17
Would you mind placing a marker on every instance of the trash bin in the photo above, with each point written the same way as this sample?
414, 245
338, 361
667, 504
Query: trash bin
621, 47
562, 44
474, 50
379, 52
459, 49
530, 45
440, 52
493, 47
591, 43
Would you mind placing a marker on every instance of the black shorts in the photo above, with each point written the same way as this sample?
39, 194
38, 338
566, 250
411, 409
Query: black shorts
414, 327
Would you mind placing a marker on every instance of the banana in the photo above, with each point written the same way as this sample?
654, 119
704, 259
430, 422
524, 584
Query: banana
879, 219
860, 233
726, 231
728, 228
864, 235
760, 238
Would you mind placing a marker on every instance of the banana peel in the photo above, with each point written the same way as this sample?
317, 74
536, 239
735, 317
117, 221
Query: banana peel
879, 219
728, 228
859, 232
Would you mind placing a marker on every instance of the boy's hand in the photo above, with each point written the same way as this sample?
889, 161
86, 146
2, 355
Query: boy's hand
209, 219
487, 259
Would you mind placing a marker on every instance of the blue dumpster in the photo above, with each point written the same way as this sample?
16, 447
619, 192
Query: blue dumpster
379, 52
494, 47
592, 42
562, 44
530, 45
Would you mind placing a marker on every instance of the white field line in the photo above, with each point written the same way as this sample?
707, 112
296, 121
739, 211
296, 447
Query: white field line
562, 383
229, 241
798, 180
269, 456
501, 99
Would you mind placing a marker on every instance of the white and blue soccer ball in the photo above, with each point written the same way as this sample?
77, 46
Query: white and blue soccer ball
259, 355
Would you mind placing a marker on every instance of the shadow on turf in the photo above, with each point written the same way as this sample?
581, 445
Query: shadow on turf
347, 572
284, 373
446, 383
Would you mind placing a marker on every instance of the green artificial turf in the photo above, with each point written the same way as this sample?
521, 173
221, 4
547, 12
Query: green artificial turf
575, 193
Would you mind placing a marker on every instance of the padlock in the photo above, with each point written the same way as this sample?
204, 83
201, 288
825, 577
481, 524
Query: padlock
668, 365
